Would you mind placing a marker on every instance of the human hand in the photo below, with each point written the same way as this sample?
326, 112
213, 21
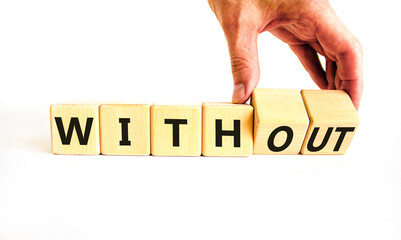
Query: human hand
307, 26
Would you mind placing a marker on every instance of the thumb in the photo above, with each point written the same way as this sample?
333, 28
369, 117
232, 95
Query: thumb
244, 63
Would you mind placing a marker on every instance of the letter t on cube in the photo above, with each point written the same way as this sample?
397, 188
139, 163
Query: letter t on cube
176, 130
333, 121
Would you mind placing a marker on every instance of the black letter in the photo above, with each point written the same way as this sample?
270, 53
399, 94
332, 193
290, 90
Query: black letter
124, 132
324, 142
270, 142
220, 133
343, 131
176, 129
74, 123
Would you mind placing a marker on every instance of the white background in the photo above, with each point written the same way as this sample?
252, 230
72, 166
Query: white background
148, 51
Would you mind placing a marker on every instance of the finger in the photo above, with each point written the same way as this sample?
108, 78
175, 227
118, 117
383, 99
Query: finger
337, 82
354, 90
318, 48
339, 42
243, 50
331, 68
311, 63
350, 72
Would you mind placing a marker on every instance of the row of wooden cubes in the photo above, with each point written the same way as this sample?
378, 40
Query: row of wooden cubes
278, 121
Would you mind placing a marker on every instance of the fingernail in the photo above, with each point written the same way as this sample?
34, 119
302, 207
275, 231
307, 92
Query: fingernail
239, 92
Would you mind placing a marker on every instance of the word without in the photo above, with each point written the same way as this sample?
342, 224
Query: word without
278, 121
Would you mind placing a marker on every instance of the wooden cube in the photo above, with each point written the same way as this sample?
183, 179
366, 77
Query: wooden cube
333, 121
227, 129
280, 121
75, 128
176, 130
124, 129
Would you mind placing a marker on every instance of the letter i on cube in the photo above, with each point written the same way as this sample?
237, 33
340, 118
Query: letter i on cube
125, 129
